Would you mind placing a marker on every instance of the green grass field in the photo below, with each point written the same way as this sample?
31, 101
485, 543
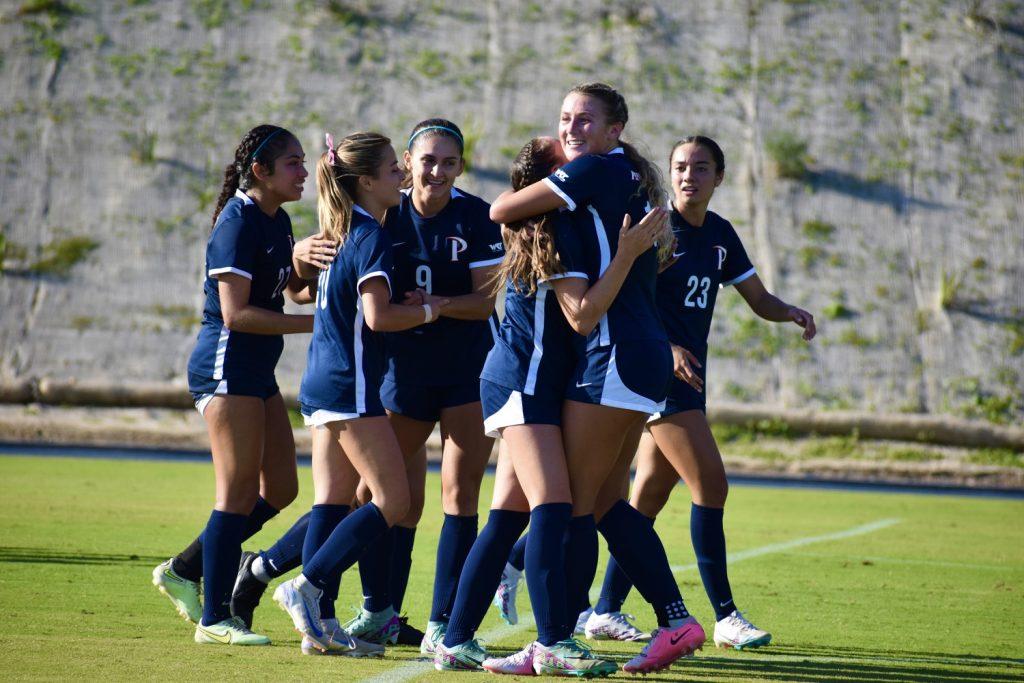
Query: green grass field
853, 586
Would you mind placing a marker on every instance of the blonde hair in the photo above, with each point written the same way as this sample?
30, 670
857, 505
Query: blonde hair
337, 176
616, 111
530, 254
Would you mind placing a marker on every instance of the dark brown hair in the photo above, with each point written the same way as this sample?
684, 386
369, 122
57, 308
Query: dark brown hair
263, 145
707, 143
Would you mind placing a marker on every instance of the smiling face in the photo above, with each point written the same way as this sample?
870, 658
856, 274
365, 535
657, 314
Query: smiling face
583, 127
286, 182
385, 187
434, 163
694, 174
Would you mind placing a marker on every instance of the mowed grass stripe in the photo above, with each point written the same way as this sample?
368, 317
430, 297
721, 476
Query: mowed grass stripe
408, 672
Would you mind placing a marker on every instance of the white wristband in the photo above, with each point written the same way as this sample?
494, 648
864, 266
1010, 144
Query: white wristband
428, 315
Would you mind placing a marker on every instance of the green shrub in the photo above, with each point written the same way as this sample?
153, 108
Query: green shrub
60, 256
817, 230
789, 154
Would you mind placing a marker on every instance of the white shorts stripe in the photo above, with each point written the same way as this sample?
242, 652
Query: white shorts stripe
603, 335
538, 338
616, 394
508, 415
357, 349
222, 351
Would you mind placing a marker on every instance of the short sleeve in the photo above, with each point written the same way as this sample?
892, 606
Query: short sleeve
233, 247
373, 258
486, 247
578, 181
569, 248
737, 266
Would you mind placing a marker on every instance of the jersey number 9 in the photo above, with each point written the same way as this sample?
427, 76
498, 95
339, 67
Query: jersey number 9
424, 279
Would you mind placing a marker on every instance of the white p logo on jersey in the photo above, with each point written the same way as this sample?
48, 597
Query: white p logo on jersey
458, 246
721, 255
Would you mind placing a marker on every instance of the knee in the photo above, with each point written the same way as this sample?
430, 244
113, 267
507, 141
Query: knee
712, 491
239, 498
281, 494
394, 503
460, 498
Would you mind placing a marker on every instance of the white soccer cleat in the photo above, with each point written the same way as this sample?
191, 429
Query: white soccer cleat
737, 632
301, 600
581, 622
505, 596
341, 643
613, 626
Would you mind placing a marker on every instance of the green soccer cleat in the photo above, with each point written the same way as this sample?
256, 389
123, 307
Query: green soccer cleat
467, 656
570, 658
182, 593
231, 631
374, 627
433, 637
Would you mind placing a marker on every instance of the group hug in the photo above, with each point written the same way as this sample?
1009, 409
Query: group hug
599, 359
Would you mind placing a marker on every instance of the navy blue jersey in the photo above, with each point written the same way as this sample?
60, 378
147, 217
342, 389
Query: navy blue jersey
710, 257
437, 254
345, 363
536, 349
247, 242
600, 189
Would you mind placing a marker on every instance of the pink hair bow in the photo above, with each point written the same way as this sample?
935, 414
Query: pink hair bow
330, 148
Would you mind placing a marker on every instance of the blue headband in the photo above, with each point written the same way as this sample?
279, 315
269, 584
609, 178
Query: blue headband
444, 128
262, 144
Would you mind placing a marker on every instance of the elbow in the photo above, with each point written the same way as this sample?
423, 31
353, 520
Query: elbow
582, 327
231, 320
498, 213
375, 323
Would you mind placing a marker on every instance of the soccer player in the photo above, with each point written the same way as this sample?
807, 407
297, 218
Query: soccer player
623, 375
444, 244
357, 182
522, 386
680, 444
249, 268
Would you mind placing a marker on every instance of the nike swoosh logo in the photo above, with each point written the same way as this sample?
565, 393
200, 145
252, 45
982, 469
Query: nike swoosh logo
585, 384
678, 255
225, 639
397, 244
723, 604
309, 619
270, 250
676, 639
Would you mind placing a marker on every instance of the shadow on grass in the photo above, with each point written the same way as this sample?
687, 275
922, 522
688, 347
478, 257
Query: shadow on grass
47, 556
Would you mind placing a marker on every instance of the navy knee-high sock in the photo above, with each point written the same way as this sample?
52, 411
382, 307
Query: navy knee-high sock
345, 545
517, 558
580, 564
223, 540
614, 589
375, 572
286, 554
482, 572
635, 545
457, 536
616, 586
322, 521
401, 563
708, 537
188, 564
545, 575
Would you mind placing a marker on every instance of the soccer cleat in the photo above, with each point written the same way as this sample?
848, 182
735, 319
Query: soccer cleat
581, 622
182, 593
374, 627
518, 664
736, 632
433, 636
505, 596
613, 626
301, 600
467, 656
341, 643
407, 633
231, 631
666, 646
247, 591
570, 658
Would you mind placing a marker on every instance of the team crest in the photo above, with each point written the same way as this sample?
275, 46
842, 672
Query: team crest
722, 251
457, 245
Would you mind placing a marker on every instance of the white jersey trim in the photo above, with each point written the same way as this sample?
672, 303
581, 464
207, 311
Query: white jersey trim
563, 276
321, 418
557, 190
376, 273
214, 272
357, 352
741, 278
603, 334
488, 262
246, 199
538, 340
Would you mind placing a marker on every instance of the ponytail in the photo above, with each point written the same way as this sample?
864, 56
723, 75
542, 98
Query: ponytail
337, 176
227, 190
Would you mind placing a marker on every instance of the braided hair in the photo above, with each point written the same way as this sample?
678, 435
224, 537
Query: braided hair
263, 144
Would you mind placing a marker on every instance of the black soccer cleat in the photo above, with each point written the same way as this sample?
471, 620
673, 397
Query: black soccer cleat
248, 590
407, 634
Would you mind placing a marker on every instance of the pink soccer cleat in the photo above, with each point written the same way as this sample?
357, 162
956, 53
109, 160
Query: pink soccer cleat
666, 646
518, 664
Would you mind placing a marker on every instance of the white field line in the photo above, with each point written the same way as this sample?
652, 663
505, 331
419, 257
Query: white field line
411, 670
